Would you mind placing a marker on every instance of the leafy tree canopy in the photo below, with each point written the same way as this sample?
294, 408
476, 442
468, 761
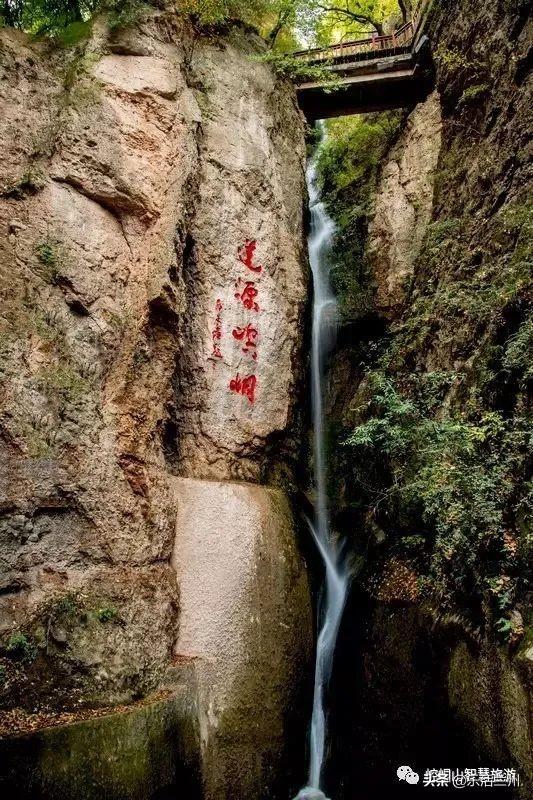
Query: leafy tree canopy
337, 20
286, 24
46, 16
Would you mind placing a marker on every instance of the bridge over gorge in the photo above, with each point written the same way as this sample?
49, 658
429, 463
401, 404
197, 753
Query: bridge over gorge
372, 74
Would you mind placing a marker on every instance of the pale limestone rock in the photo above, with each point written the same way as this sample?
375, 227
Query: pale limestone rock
245, 626
251, 187
138, 74
404, 203
93, 256
122, 203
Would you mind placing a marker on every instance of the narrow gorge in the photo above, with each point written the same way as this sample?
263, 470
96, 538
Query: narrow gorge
265, 416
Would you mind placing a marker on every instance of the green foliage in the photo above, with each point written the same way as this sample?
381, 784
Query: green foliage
11, 13
453, 60
52, 17
334, 21
504, 626
353, 149
30, 182
289, 67
63, 381
106, 614
21, 648
75, 608
440, 235
67, 21
48, 326
213, 11
48, 253
458, 477
348, 166
461, 301
517, 357
283, 23
279, 25
74, 33
124, 13
68, 605
473, 94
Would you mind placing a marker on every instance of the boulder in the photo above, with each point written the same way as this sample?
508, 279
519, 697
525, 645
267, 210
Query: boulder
245, 635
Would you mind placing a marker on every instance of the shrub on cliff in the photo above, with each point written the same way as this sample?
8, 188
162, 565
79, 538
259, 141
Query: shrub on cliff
283, 23
459, 480
348, 166
68, 20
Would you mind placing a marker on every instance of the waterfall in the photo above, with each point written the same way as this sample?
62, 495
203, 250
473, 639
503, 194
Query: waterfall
325, 323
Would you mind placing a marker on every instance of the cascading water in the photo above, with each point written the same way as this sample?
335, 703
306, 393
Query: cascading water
325, 322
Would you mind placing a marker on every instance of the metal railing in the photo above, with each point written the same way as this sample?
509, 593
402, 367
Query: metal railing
373, 46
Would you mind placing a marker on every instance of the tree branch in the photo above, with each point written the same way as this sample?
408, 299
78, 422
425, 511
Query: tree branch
363, 19
283, 19
405, 8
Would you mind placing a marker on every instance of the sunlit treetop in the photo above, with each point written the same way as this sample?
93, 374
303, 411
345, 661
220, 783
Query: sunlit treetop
290, 23
340, 20
285, 24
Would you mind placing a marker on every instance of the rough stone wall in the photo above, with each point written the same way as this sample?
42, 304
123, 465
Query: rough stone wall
245, 637
465, 312
490, 697
251, 188
96, 155
404, 204
143, 752
133, 167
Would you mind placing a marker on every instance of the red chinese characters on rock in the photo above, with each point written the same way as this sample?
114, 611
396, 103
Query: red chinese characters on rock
244, 386
248, 336
246, 253
246, 293
217, 330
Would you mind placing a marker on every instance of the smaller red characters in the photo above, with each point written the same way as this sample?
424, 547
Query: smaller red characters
244, 386
245, 254
248, 336
217, 330
247, 295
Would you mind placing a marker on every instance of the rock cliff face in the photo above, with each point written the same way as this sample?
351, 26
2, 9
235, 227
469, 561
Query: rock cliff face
244, 639
152, 279
444, 609
404, 205
244, 275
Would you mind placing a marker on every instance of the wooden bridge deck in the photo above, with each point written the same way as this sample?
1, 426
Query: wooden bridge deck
373, 74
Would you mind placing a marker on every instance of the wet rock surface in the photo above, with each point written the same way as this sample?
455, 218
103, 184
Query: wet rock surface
310, 794
137, 754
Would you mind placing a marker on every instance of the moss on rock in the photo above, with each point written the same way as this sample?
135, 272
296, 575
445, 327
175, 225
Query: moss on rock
139, 754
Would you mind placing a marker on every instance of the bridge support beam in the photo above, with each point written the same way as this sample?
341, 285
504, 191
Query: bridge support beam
402, 90
396, 81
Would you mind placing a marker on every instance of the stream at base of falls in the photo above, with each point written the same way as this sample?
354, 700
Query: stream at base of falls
333, 594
